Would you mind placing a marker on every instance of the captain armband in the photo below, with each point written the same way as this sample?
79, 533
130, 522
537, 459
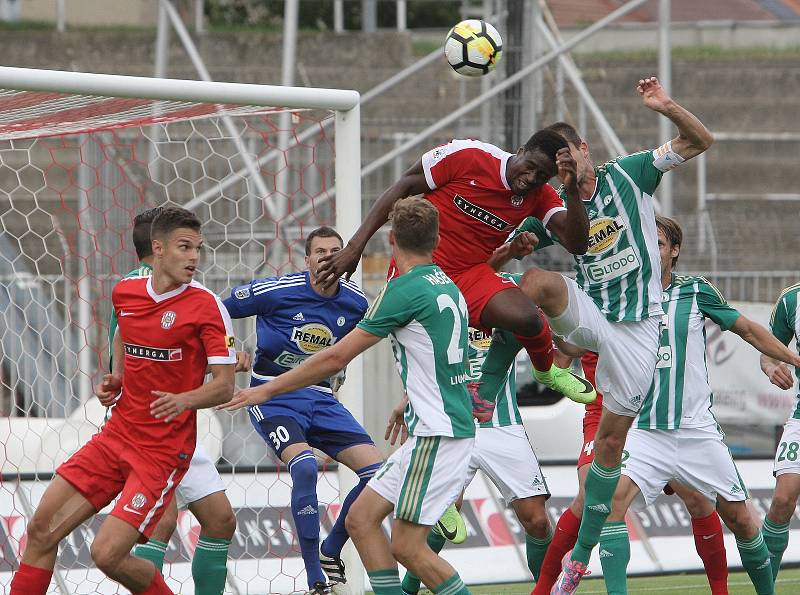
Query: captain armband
665, 159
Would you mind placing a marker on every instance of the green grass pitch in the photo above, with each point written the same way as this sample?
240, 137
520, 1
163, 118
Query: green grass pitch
683, 584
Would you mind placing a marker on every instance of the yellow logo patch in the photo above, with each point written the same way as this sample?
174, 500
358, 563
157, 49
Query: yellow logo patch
604, 233
479, 340
312, 337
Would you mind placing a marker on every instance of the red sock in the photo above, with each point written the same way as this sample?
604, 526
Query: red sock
157, 586
30, 580
711, 548
564, 538
539, 347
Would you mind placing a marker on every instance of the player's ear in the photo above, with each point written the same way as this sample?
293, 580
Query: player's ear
676, 251
158, 247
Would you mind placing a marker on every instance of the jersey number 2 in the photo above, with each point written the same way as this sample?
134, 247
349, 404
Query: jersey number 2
455, 354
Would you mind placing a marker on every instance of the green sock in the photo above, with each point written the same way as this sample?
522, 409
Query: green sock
154, 551
776, 536
535, 549
756, 561
452, 586
600, 485
209, 565
615, 553
411, 582
385, 581
494, 370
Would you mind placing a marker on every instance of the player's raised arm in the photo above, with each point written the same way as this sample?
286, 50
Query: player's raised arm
693, 137
345, 261
318, 367
167, 406
765, 342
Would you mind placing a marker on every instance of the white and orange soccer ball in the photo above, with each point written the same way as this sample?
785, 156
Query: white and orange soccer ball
473, 47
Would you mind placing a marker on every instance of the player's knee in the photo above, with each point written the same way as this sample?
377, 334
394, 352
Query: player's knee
106, 557
697, 505
530, 324
405, 552
536, 524
782, 507
39, 535
609, 446
222, 526
355, 522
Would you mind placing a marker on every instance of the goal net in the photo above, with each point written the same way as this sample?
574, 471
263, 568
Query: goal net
80, 156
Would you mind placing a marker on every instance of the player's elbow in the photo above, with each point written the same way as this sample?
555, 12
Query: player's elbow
577, 245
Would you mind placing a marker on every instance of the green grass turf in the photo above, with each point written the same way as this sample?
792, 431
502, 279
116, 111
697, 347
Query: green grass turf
683, 584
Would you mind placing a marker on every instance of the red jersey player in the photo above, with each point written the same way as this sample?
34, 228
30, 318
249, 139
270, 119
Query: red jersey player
171, 329
482, 193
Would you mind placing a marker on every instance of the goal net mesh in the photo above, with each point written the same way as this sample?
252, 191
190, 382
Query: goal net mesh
74, 171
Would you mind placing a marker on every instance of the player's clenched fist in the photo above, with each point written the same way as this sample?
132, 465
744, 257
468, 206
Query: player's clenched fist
567, 168
109, 389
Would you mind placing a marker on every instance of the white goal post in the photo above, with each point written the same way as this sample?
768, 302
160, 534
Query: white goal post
197, 106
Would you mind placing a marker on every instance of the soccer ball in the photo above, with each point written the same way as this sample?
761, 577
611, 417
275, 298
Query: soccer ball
473, 47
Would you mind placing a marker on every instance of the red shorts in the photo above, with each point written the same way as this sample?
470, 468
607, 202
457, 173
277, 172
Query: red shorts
108, 465
477, 284
591, 418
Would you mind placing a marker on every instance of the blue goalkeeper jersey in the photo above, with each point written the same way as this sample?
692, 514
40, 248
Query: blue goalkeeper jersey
293, 321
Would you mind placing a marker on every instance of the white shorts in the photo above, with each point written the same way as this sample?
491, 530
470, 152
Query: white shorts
505, 455
201, 480
697, 457
787, 457
424, 476
627, 352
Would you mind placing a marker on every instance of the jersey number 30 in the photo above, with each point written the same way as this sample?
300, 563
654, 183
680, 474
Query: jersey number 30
455, 354
279, 435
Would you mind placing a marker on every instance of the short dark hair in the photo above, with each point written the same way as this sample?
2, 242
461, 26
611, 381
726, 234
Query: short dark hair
172, 218
141, 232
322, 232
547, 141
568, 132
672, 231
415, 222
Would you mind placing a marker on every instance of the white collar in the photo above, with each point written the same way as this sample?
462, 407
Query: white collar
160, 297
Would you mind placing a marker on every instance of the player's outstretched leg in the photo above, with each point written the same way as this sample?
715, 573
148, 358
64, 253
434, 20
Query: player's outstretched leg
750, 542
601, 482
217, 526
156, 547
60, 511
451, 524
776, 523
365, 460
615, 545
708, 538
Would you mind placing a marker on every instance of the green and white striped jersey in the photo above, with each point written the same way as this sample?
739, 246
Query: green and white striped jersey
785, 325
426, 316
143, 270
680, 396
621, 269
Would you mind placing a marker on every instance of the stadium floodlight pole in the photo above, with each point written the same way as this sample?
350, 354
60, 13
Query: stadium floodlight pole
500, 87
665, 78
200, 67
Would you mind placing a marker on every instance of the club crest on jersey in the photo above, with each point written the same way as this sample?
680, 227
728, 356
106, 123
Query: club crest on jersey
604, 234
340, 321
242, 293
479, 213
312, 337
167, 319
516, 201
138, 501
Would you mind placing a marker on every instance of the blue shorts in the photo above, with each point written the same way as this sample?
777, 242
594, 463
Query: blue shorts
307, 415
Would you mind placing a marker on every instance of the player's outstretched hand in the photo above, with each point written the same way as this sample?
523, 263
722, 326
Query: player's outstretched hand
167, 406
781, 376
108, 390
242, 361
653, 94
567, 168
246, 397
343, 262
397, 425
